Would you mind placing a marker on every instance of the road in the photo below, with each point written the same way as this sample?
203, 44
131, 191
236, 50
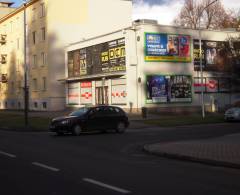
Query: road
109, 163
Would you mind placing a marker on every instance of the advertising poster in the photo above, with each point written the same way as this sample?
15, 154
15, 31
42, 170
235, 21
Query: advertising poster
70, 64
76, 63
83, 61
86, 92
164, 89
167, 47
212, 85
214, 58
113, 57
119, 94
73, 93
157, 89
181, 88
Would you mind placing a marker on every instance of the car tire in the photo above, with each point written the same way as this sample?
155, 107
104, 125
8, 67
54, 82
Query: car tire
77, 130
121, 127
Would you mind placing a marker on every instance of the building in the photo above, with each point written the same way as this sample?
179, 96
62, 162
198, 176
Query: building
5, 8
153, 66
50, 26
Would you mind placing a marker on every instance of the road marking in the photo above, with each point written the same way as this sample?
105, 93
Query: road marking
7, 154
45, 166
106, 186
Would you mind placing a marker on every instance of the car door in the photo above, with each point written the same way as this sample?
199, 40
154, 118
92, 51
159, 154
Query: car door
96, 119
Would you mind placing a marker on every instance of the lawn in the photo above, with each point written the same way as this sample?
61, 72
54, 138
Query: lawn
16, 121
180, 120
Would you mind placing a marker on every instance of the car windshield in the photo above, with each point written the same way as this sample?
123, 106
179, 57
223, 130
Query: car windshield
79, 112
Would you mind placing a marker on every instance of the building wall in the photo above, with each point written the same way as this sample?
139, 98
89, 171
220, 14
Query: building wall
137, 70
61, 28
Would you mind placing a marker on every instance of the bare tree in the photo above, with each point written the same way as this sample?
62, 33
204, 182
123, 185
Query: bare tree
212, 17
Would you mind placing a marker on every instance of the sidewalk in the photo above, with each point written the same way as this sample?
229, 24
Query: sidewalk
221, 151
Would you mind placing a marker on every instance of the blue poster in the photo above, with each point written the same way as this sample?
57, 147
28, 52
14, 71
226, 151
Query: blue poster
156, 44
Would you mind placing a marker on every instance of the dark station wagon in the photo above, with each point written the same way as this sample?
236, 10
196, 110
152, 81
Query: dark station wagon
99, 118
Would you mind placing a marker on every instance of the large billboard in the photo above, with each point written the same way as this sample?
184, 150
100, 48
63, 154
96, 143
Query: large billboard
168, 88
214, 58
167, 47
97, 59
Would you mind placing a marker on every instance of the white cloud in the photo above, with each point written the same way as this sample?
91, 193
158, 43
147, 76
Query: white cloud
166, 13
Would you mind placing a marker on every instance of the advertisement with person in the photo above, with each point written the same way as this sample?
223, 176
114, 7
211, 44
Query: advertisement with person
181, 88
167, 89
83, 61
214, 57
157, 89
167, 47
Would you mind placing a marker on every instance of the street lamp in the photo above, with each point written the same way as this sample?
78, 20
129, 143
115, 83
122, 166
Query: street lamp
26, 92
200, 56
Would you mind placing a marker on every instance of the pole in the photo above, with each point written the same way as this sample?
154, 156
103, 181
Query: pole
200, 56
25, 69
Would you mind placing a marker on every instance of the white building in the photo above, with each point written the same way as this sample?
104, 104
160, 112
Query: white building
150, 65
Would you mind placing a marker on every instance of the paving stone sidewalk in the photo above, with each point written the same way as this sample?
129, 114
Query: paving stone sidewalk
221, 151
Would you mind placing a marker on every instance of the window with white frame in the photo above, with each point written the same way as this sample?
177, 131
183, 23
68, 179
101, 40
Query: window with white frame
34, 61
43, 33
35, 84
44, 84
43, 58
42, 10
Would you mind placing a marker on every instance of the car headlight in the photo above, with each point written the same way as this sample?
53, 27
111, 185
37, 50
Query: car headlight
65, 122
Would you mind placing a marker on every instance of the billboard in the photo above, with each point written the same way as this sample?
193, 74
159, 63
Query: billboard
97, 59
214, 58
167, 89
167, 47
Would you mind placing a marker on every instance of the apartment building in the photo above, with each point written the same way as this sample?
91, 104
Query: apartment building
154, 66
50, 26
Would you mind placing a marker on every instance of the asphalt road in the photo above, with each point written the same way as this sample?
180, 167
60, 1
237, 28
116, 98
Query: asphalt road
109, 163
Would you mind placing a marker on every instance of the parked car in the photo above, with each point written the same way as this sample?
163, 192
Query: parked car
100, 118
232, 114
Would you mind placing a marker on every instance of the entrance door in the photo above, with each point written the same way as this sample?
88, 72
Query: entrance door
101, 95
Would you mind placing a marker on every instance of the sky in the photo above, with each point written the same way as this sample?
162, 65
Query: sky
164, 11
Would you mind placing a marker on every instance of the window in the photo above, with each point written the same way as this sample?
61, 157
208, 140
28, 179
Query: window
19, 104
35, 104
34, 61
18, 65
34, 37
44, 86
43, 32
19, 86
35, 85
43, 58
42, 10
33, 14
44, 105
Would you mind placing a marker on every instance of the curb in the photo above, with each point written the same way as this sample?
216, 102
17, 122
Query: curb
24, 130
181, 157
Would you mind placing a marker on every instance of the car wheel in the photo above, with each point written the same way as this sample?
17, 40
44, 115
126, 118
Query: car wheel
77, 130
121, 127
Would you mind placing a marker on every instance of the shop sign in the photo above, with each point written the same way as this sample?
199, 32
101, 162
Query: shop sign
119, 94
167, 47
86, 92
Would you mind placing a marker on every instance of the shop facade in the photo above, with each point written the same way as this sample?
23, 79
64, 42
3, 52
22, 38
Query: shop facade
153, 66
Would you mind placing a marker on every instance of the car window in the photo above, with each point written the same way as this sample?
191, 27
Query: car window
79, 112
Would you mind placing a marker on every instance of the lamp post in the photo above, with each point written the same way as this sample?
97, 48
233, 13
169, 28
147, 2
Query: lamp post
200, 56
26, 92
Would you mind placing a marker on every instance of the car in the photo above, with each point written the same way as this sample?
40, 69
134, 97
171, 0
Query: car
100, 118
232, 114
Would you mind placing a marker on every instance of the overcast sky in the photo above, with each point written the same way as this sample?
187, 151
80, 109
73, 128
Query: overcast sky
162, 10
